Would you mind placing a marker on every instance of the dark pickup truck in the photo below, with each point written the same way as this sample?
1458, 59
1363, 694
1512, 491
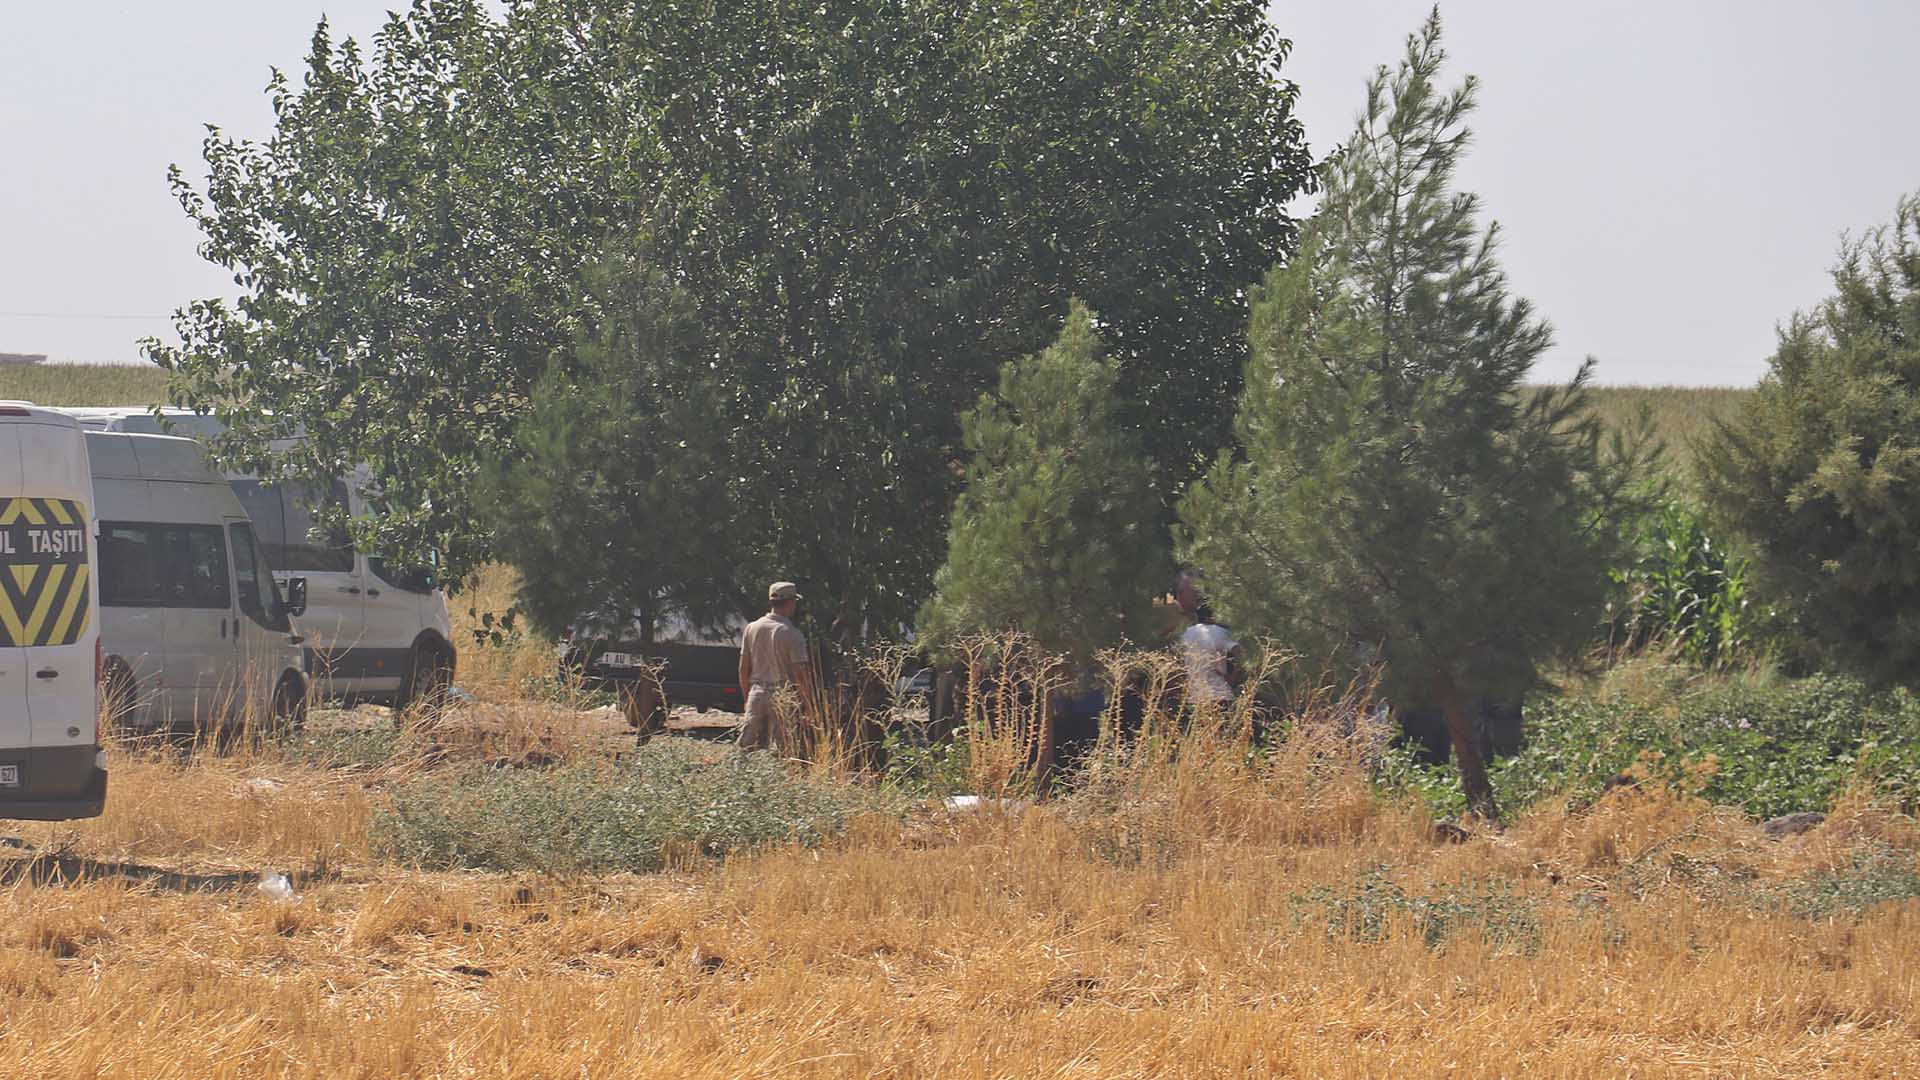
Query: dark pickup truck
697, 668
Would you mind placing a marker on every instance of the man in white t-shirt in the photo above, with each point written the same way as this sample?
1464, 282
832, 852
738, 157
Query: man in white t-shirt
1210, 654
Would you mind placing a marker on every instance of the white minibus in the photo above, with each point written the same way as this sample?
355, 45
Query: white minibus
51, 764
192, 624
373, 633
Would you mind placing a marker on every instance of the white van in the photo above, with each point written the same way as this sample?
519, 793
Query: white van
193, 628
372, 632
51, 764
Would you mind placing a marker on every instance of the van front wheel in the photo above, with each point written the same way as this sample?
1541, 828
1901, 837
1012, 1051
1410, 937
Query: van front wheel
289, 706
429, 677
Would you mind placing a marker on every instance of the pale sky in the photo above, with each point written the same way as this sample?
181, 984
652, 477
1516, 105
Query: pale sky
1672, 178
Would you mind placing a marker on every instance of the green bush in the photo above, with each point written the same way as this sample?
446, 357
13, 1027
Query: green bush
1366, 912
346, 747
670, 797
920, 766
1874, 875
1769, 749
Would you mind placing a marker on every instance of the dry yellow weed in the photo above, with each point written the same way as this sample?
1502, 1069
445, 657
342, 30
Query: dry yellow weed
1195, 914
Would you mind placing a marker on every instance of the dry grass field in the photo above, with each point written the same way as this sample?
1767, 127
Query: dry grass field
1188, 911
1192, 915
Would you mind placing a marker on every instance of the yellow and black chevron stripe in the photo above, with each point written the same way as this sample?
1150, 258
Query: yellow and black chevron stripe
43, 572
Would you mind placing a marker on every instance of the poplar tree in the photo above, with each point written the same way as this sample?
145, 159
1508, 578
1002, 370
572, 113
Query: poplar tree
1399, 497
1058, 533
872, 205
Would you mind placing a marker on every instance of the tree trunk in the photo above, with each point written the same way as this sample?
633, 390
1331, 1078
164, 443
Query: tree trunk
1466, 750
645, 705
944, 707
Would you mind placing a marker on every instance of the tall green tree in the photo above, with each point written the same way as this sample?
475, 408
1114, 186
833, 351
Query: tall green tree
592, 505
1058, 533
1398, 497
1820, 468
874, 204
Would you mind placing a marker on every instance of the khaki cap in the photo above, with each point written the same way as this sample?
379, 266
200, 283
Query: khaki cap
782, 590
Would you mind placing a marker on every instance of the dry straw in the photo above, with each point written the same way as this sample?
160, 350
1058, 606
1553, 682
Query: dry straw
1186, 903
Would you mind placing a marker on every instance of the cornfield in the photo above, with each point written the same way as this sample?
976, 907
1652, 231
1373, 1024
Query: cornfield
83, 384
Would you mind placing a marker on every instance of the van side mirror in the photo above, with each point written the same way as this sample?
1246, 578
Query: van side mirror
297, 596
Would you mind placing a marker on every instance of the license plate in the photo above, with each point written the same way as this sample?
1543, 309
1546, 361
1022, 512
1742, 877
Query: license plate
619, 659
9, 776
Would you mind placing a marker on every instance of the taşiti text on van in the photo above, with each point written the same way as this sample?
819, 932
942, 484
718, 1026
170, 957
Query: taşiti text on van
51, 764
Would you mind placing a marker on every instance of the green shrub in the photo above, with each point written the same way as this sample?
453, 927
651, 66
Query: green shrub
921, 766
670, 797
1874, 875
1767, 748
346, 747
1367, 911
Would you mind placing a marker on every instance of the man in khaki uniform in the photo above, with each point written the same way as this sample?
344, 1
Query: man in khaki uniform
773, 654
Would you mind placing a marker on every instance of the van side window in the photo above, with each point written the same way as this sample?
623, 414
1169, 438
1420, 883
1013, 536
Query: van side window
307, 547
413, 580
259, 597
130, 563
145, 565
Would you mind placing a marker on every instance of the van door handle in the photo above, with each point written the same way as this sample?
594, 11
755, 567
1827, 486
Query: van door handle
373, 592
351, 590
46, 673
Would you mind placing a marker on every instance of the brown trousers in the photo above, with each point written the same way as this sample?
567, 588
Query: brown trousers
765, 728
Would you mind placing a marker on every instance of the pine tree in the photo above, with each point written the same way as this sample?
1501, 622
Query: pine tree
1400, 496
614, 497
1057, 534
1820, 470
